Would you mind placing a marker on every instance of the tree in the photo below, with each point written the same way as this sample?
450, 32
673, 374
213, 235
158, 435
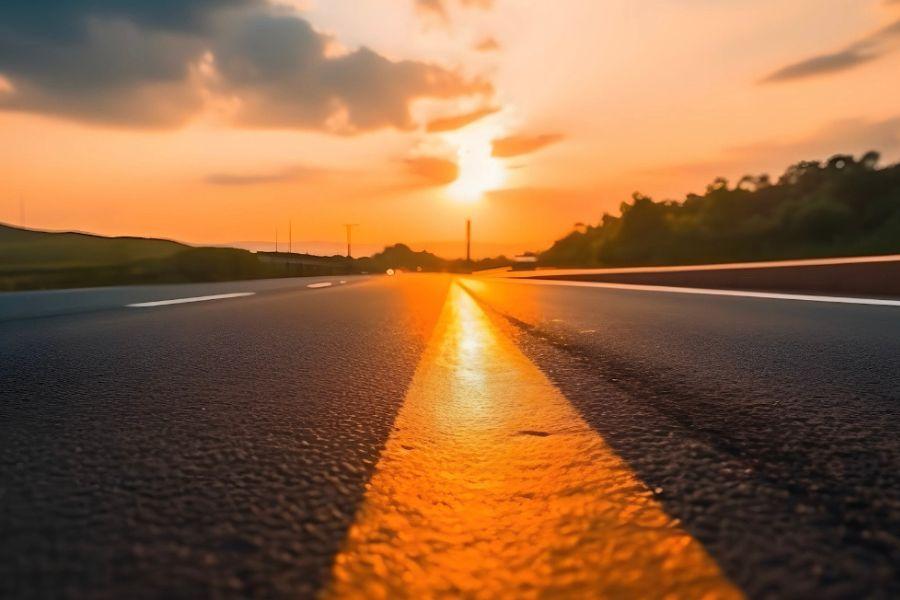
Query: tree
843, 206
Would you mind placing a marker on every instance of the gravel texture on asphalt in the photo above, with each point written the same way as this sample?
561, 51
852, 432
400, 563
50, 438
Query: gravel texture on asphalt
770, 428
208, 450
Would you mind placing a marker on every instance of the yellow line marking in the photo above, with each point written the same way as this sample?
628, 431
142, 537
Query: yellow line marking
492, 486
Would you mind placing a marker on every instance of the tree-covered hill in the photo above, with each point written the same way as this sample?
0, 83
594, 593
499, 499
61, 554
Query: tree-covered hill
841, 207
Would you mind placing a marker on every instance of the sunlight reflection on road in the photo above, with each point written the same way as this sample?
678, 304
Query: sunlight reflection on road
491, 485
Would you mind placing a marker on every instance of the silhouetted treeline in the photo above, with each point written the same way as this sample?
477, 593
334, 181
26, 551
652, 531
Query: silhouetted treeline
401, 256
841, 207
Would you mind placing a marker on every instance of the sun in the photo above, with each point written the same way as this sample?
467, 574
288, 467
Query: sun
479, 172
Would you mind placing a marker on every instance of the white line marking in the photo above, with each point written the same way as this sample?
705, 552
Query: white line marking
189, 300
343, 281
710, 292
323, 284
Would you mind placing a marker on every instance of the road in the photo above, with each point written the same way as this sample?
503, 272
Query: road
425, 436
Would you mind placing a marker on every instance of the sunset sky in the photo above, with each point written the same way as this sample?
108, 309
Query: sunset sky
218, 121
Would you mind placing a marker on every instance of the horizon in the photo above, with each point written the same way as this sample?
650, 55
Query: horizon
311, 247
442, 249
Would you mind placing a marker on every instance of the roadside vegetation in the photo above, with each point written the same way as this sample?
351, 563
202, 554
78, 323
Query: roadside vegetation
841, 207
401, 256
24, 249
32, 260
43, 260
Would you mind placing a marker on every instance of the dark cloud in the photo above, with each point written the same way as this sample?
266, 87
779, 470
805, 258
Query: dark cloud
123, 63
55, 19
438, 171
822, 65
869, 48
290, 175
119, 62
518, 145
458, 121
139, 64
279, 66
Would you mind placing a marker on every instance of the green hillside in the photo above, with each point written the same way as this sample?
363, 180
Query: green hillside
841, 207
32, 260
28, 250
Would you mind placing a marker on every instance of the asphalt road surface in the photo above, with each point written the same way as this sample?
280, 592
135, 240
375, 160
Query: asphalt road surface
428, 436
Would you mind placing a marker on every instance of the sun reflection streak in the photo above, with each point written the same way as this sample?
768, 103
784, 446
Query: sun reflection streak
493, 486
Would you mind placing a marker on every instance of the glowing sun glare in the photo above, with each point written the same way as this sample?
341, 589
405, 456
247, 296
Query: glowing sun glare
479, 172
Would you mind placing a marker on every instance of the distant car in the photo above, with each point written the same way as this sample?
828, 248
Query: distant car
524, 262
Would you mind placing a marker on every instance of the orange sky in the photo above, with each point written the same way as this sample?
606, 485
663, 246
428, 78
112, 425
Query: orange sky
225, 122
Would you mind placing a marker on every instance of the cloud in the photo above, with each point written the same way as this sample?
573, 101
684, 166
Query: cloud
822, 65
518, 145
488, 44
458, 121
63, 19
439, 7
110, 70
279, 67
284, 176
436, 6
438, 171
869, 48
155, 63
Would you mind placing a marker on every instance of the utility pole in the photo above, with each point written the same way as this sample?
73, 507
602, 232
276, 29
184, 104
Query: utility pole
468, 241
290, 237
350, 227
276, 240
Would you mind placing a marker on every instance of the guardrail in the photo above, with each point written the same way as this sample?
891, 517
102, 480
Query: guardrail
859, 276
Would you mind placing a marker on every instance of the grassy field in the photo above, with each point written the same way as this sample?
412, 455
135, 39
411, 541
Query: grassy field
26, 250
32, 260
